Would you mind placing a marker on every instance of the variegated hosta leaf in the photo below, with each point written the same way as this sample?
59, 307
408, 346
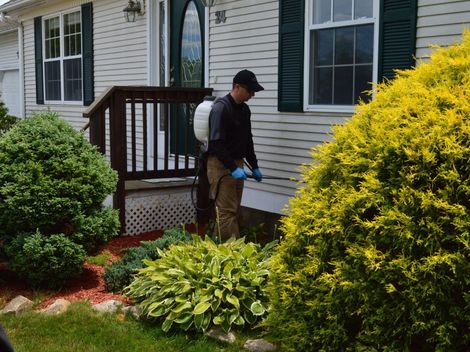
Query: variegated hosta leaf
233, 300
201, 307
257, 308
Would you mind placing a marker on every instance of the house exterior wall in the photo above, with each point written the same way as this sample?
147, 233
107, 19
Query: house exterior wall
9, 69
9, 50
120, 54
249, 39
440, 22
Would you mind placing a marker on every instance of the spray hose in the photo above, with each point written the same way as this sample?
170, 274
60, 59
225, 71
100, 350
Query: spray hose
212, 201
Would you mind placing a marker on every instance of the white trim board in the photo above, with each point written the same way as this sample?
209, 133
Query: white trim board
265, 201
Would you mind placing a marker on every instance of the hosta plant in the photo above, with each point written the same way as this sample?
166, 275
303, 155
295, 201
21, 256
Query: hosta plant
199, 284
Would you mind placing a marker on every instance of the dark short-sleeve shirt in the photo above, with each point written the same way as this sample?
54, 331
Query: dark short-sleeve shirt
230, 135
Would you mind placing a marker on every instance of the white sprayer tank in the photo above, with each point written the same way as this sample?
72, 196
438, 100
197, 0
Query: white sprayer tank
201, 119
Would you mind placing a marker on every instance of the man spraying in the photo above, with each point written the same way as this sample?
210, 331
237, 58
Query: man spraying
230, 141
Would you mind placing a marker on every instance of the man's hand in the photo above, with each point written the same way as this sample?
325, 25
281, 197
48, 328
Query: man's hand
257, 174
239, 174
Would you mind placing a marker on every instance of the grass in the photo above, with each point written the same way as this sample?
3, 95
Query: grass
101, 259
82, 329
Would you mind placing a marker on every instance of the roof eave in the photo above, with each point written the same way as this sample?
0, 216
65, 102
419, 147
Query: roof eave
15, 5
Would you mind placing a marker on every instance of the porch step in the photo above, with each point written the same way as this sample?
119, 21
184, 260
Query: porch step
158, 204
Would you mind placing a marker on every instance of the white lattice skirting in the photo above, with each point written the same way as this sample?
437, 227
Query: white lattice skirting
158, 209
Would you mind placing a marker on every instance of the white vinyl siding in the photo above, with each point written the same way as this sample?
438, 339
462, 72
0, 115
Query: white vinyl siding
249, 39
440, 22
120, 55
9, 51
9, 71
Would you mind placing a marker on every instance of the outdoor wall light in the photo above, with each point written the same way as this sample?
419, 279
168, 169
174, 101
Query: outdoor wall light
208, 3
133, 9
5, 18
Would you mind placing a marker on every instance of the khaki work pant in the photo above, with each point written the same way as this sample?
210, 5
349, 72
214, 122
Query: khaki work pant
229, 197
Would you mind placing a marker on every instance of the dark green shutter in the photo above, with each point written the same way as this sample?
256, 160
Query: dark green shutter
87, 55
291, 55
38, 60
397, 36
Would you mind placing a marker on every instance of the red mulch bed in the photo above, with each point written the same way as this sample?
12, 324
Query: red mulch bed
88, 286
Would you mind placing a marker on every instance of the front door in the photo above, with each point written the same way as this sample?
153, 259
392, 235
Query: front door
187, 67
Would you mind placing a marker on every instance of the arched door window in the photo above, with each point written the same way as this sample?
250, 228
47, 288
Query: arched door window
191, 48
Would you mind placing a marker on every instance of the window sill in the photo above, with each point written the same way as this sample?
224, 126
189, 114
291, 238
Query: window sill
55, 102
347, 109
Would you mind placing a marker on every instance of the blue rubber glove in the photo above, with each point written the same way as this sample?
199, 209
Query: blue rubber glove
239, 174
257, 174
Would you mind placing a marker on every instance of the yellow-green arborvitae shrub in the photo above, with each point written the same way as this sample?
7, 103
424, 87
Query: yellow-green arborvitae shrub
376, 249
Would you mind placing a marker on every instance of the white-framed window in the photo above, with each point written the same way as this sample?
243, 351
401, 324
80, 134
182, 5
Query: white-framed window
341, 53
62, 57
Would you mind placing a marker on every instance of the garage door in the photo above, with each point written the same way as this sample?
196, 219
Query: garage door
10, 88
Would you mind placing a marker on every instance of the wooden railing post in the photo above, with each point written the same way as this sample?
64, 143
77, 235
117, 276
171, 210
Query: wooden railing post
117, 124
97, 130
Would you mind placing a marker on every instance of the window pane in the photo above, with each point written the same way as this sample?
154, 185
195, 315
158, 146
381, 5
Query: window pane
73, 80
343, 91
72, 23
323, 86
364, 44
363, 9
72, 37
52, 80
52, 38
321, 11
363, 82
342, 10
344, 45
162, 42
162, 59
51, 27
191, 49
323, 41
72, 45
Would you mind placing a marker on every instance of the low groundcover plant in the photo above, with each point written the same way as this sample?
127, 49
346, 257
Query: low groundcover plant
199, 284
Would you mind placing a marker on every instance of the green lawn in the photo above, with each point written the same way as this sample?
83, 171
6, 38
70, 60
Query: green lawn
82, 330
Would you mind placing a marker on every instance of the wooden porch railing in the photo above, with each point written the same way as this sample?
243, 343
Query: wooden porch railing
119, 123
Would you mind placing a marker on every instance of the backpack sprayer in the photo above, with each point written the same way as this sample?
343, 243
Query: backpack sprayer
201, 131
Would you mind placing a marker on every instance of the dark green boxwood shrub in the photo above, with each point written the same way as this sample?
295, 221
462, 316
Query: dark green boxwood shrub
46, 261
49, 175
376, 248
92, 231
52, 181
199, 284
120, 273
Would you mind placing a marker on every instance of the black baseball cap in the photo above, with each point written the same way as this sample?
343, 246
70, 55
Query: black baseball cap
248, 79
